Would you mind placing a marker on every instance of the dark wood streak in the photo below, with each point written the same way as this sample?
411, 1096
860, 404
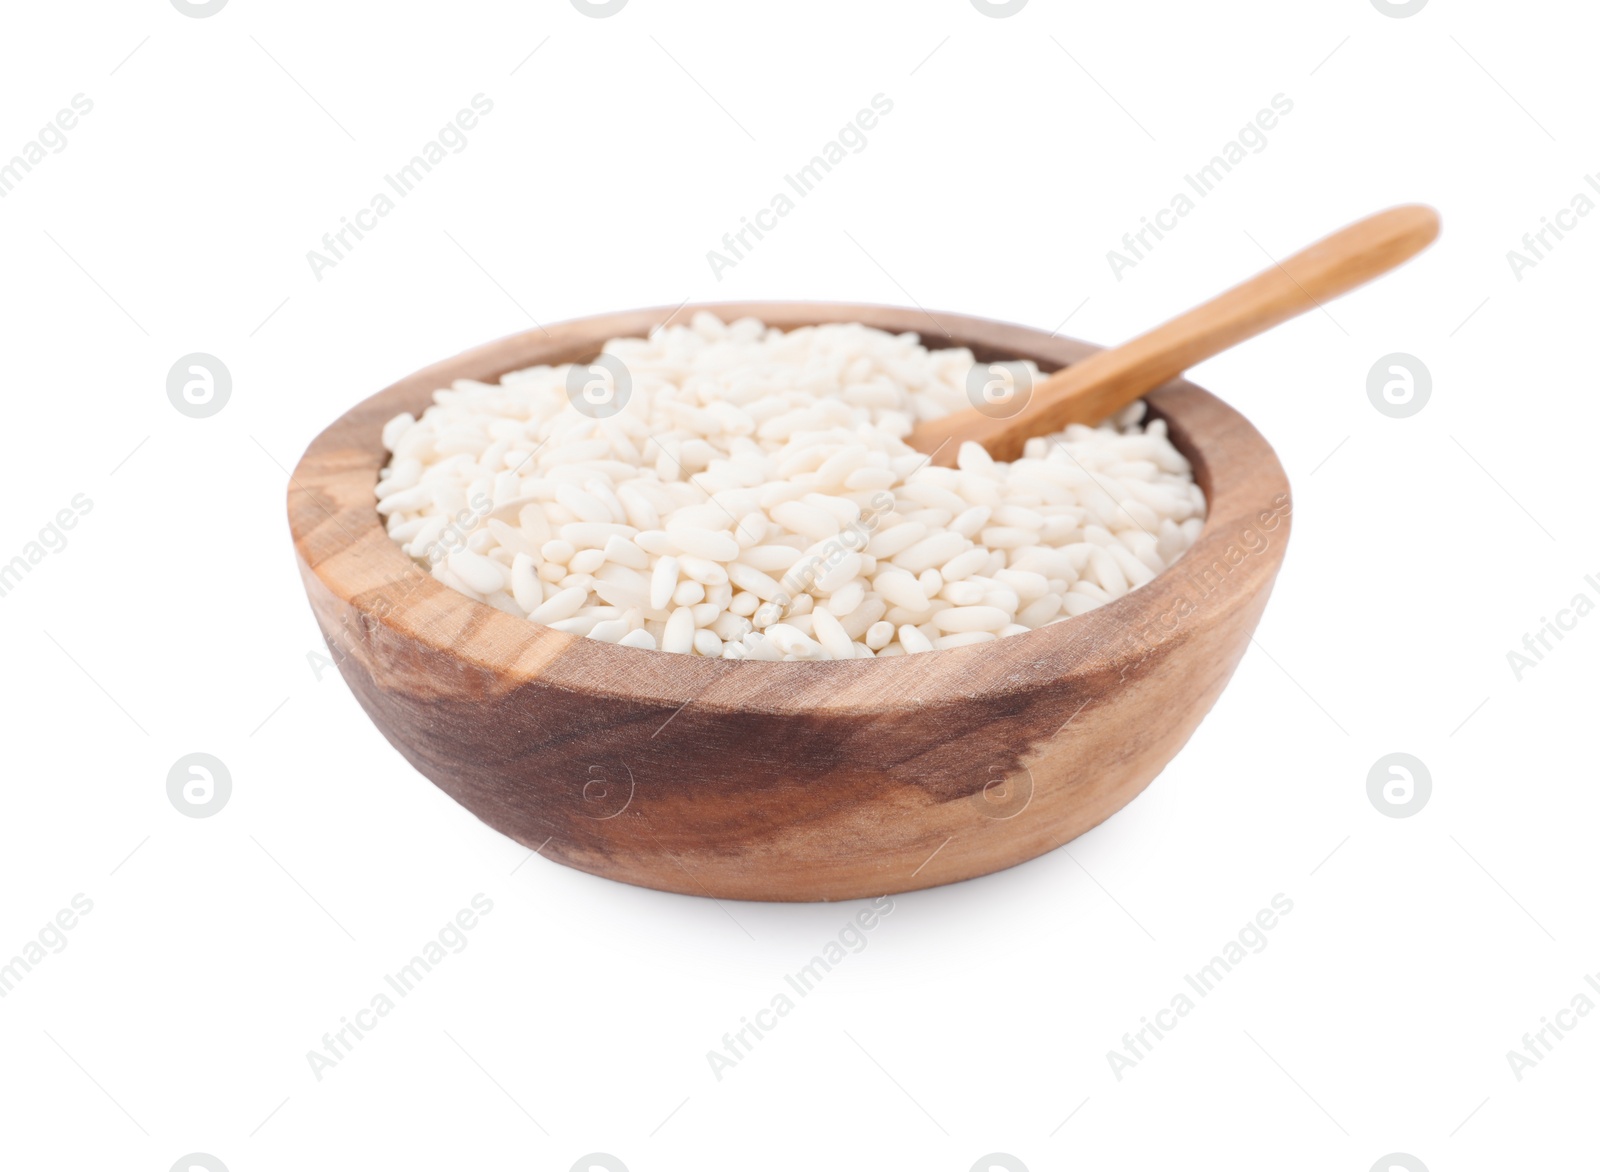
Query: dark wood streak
783, 781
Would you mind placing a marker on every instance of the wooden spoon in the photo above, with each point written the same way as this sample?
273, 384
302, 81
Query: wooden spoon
1109, 380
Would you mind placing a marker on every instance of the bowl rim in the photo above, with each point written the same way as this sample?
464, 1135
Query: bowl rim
342, 546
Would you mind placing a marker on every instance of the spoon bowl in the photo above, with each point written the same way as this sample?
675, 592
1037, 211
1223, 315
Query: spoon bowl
783, 780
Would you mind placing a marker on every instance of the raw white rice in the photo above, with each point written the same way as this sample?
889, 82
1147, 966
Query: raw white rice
753, 499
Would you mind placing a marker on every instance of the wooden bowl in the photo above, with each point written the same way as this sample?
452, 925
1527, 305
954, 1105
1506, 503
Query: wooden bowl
786, 781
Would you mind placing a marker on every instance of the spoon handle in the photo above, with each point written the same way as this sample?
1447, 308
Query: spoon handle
1107, 381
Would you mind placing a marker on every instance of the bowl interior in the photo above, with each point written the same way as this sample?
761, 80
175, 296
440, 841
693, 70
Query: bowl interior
345, 550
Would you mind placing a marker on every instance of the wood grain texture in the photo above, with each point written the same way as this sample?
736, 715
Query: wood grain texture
786, 781
1106, 382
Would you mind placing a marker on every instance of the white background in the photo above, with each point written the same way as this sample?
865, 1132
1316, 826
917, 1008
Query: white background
977, 1019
